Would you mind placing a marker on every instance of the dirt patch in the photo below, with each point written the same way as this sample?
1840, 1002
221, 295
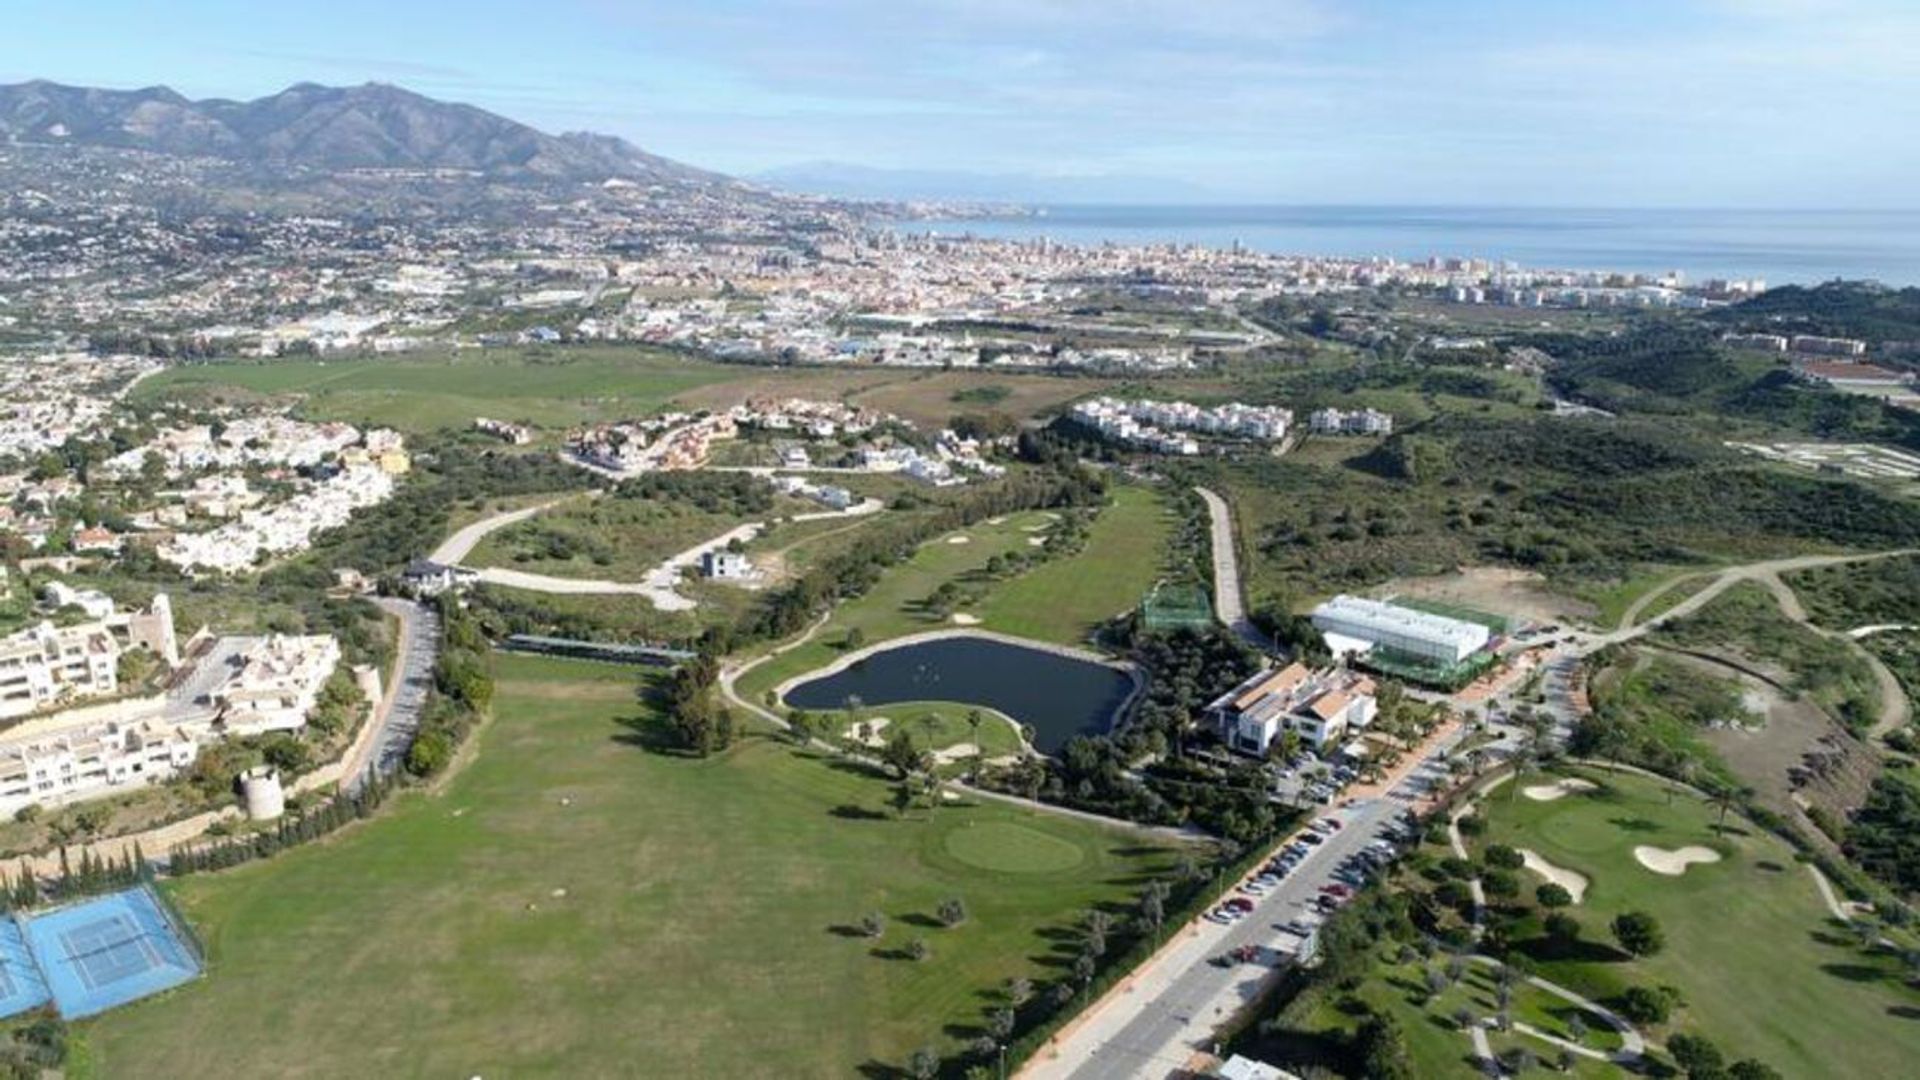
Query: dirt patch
961, 618
1793, 755
1559, 789
1499, 590
959, 539
1571, 880
1673, 862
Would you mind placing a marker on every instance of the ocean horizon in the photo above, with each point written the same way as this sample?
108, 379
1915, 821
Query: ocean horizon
1780, 246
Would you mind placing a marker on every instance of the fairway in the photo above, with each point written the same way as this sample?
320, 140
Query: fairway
422, 392
1060, 601
1764, 971
577, 904
1066, 599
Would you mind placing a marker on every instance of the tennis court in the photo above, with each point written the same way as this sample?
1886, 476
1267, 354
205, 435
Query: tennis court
21, 985
108, 951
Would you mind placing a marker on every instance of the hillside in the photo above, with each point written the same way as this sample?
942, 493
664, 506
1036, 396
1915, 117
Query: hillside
329, 129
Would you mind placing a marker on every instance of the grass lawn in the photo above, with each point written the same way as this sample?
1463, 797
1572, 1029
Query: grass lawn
704, 928
935, 725
1061, 601
613, 539
422, 392
894, 606
1066, 599
1749, 943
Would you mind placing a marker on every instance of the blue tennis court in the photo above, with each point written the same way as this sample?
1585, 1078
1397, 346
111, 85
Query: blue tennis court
108, 951
21, 985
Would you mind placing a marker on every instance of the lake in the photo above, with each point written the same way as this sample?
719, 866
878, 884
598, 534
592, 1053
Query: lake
1057, 696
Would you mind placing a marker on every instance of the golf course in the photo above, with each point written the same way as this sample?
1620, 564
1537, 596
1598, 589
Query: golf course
578, 900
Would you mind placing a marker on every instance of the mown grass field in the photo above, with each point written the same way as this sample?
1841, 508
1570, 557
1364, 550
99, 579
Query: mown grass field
423, 392
1066, 599
614, 539
1764, 970
1061, 601
894, 607
704, 926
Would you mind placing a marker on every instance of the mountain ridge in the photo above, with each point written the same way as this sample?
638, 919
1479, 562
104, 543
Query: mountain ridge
309, 125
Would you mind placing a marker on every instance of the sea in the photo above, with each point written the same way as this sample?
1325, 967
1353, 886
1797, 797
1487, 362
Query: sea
1778, 246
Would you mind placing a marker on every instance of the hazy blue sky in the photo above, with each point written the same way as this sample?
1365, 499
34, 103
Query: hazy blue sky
1556, 102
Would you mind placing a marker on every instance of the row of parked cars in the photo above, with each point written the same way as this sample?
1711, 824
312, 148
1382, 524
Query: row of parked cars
1270, 876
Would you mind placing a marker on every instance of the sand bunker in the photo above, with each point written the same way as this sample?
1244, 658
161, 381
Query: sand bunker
959, 539
1557, 789
963, 619
959, 751
1574, 882
1674, 862
876, 729
1036, 541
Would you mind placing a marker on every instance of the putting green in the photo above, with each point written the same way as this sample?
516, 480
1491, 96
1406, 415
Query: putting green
1008, 848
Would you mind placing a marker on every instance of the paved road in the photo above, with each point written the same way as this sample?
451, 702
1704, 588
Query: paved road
463, 541
1177, 1000
1228, 603
398, 718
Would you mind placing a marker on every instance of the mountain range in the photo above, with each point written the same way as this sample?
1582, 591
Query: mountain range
332, 129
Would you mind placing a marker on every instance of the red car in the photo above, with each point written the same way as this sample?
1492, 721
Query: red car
1238, 903
1336, 889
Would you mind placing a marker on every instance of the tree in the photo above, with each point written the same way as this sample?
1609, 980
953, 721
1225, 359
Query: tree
903, 756
1562, 928
1381, 1047
1019, 991
1645, 1005
1639, 933
1696, 1056
1726, 797
953, 911
1553, 895
873, 924
924, 1064
918, 949
1752, 1069
855, 638
1504, 857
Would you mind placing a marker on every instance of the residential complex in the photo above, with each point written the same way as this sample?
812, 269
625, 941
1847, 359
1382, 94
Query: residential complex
234, 687
1350, 422
1158, 425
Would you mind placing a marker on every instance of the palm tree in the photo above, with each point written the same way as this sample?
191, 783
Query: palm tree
974, 719
1725, 797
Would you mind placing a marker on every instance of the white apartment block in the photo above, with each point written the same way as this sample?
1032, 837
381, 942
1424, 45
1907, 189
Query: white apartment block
1350, 422
254, 686
44, 666
89, 760
1156, 425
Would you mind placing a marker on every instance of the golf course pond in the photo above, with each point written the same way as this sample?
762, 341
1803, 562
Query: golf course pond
1055, 694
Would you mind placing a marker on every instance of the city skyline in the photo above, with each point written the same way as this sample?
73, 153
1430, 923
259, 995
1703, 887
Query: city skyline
1744, 103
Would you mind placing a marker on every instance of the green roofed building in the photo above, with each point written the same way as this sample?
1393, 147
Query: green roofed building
1175, 606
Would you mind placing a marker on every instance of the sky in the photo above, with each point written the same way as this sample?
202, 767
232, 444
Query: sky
1605, 103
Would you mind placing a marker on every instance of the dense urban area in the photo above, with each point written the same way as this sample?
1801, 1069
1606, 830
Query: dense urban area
469, 619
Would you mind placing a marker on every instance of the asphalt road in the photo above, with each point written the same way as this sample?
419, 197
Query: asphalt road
400, 719
1177, 1013
1228, 603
